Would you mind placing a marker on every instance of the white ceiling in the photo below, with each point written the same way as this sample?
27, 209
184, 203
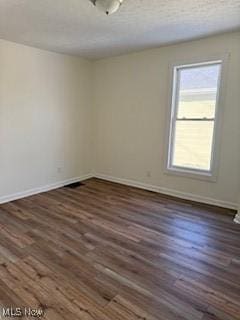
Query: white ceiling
77, 27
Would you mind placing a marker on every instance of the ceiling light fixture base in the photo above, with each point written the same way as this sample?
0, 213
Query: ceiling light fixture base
107, 6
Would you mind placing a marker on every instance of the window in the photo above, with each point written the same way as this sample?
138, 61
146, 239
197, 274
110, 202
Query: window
193, 118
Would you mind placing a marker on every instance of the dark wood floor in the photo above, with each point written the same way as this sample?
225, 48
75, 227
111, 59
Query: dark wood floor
106, 251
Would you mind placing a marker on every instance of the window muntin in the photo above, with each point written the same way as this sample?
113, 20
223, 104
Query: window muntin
195, 95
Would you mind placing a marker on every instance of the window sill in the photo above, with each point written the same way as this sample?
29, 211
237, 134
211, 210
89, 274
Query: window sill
191, 174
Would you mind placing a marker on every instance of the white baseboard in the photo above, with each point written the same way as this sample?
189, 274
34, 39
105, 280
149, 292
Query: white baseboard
46, 188
170, 192
237, 218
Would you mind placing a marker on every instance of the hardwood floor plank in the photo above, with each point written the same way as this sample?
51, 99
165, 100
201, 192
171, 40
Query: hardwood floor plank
105, 251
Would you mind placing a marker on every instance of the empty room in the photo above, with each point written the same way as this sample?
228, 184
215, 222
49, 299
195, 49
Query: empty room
120, 159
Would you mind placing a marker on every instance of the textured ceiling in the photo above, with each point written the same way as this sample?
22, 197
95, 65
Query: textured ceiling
76, 27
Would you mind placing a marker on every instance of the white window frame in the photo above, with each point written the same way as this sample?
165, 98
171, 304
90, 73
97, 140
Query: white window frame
195, 173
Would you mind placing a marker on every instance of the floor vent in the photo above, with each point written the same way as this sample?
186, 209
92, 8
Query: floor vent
74, 185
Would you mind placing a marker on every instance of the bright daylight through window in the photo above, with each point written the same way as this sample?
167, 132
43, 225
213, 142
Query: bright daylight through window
193, 117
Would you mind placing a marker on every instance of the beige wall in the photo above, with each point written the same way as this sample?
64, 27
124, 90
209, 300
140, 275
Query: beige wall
45, 118
61, 117
131, 102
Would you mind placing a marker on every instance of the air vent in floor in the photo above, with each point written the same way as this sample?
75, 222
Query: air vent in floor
74, 185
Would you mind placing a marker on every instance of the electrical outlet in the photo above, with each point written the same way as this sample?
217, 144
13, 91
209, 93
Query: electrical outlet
149, 174
59, 166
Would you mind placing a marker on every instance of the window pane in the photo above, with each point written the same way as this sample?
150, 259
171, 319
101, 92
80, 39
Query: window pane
198, 91
193, 144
